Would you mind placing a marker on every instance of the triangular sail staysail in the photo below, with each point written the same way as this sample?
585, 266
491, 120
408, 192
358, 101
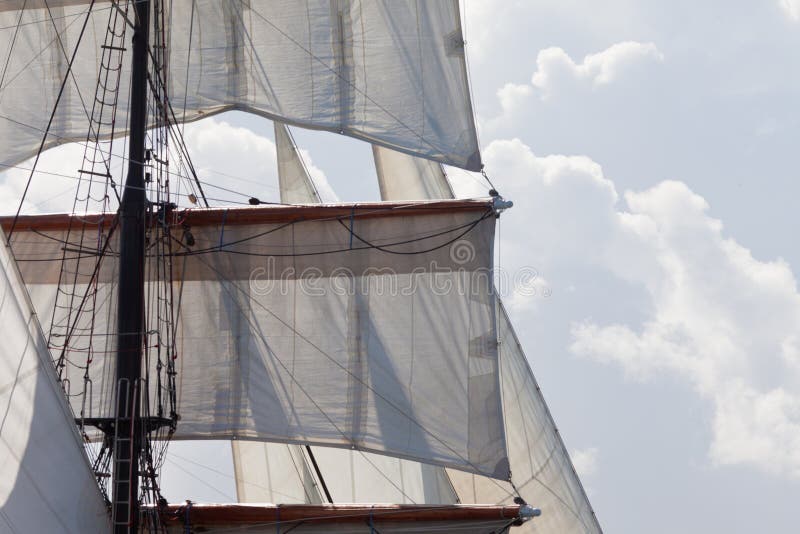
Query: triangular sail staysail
404, 177
274, 472
355, 477
47, 484
388, 72
295, 184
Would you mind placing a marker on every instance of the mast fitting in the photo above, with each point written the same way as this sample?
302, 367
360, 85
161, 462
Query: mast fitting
528, 512
499, 204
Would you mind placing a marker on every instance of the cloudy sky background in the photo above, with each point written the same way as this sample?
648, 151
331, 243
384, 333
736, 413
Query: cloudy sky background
650, 150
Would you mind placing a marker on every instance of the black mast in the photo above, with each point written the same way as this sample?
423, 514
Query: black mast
130, 311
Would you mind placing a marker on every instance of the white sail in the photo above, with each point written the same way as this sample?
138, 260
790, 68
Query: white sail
404, 177
540, 465
274, 473
296, 186
349, 476
352, 476
391, 72
313, 329
47, 484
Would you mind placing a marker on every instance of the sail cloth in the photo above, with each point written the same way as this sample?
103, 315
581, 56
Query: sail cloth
294, 182
277, 472
274, 472
351, 326
404, 177
349, 476
353, 476
47, 484
391, 72
540, 464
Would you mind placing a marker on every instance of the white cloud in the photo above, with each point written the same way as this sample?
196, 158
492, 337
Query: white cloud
558, 76
513, 95
481, 19
757, 427
239, 162
52, 189
234, 158
318, 175
557, 72
720, 319
524, 289
585, 461
237, 158
791, 8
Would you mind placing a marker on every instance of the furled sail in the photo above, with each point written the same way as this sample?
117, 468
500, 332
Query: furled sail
311, 325
540, 465
47, 484
391, 72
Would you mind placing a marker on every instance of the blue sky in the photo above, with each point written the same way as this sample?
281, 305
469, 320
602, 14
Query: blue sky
649, 148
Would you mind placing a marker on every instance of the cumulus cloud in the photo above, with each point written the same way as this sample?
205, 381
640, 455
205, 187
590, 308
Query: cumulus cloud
556, 71
791, 8
557, 75
240, 159
585, 461
233, 163
716, 317
513, 95
52, 188
324, 187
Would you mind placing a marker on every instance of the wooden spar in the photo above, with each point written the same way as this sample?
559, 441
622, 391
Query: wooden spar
128, 433
198, 217
249, 514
